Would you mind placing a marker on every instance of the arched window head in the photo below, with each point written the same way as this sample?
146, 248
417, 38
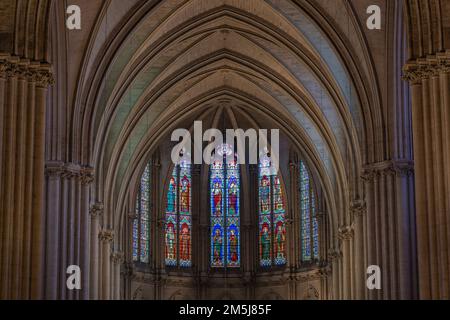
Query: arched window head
308, 216
224, 186
272, 224
141, 224
178, 222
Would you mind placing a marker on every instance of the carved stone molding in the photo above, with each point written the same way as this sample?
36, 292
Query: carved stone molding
54, 169
358, 208
398, 168
117, 257
60, 169
12, 66
345, 233
96, 210
334, 255
87, 175
417, 70
106, 235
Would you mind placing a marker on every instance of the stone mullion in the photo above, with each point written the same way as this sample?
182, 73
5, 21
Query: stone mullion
294, 243
156, 230
196, 228
253, 224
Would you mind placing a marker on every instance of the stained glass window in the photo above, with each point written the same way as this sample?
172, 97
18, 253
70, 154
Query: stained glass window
141, 225
178, 226
308, 219
272, 229
224, 183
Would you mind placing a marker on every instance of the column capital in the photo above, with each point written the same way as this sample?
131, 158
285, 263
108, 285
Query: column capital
87, 175
106, 235
390, 167
42, 76
345, 232
357, 207
96, 210
35, 71
417, 70
117, 257
334, 254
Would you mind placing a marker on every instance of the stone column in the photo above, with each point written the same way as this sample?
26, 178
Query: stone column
95, 212
358, 208
106, 236
117, 259
334, 258
389, 229
346, 239
429, 80
23, 89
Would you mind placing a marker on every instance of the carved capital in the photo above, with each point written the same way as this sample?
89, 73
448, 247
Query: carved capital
358, 208
43, 77
87, 175
13, 66
117, 257
345, 233
386, 168
334, 255
106, 235
54, 169
96, 210
417, 70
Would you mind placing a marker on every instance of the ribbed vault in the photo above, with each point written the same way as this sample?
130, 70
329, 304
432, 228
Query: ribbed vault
271, 57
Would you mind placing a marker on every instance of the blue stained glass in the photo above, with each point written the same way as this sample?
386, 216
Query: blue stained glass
217, 214
233, 243
225, 210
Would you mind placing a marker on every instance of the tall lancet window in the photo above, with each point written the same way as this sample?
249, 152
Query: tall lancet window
272, 227
224, 184
308, 217
141, 225
178, 226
